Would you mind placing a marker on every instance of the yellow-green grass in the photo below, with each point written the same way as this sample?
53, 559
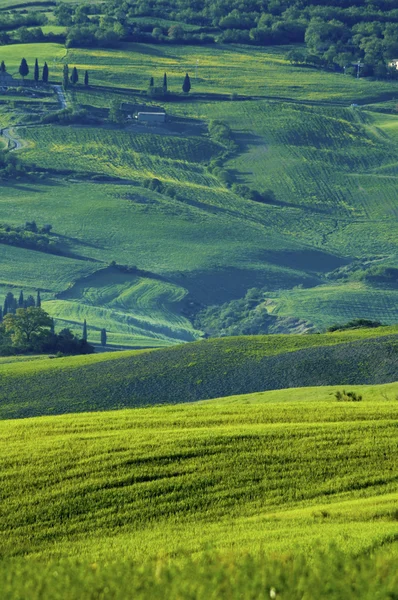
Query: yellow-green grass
276, 474
229, 69
196, 371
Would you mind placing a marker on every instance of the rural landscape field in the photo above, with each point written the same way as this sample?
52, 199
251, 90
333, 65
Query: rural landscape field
198, 300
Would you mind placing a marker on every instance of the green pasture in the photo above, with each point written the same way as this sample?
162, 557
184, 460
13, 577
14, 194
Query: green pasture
263, 476
196, 371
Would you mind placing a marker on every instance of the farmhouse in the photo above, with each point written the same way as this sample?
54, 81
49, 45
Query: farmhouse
394, 63
151, 117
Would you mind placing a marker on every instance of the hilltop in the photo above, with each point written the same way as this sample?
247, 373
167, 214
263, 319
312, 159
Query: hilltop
197, 371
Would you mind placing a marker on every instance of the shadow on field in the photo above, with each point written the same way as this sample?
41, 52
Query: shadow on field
222, 285
313, 261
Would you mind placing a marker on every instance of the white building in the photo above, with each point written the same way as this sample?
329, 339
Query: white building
151, 117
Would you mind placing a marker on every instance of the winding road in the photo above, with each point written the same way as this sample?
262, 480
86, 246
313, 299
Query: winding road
9, 134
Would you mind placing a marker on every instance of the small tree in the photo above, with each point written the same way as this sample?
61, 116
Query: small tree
186, 86
75, 76
103, 337
84, 336
3, 68
45, 73
86, 78
115, 113
36, 75
21, 300
165, 83
151, 82
38, 299
23, 69
65, 82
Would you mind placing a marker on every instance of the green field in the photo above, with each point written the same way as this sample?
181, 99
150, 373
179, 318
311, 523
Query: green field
332, 170
190, 372
207, 489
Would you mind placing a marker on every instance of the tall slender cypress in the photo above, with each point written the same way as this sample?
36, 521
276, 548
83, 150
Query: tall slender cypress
36, 75
20, 300
186, 86
86, 78
75, 76
45, 73
38, 299
165, 83
103, 337
84, 337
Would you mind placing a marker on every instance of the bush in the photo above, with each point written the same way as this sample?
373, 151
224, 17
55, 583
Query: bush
347, 396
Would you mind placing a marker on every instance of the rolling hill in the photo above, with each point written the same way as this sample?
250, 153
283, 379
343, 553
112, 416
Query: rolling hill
196, 371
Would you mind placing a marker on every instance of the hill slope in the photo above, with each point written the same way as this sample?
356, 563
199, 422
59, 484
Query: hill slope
166, 483
197, 371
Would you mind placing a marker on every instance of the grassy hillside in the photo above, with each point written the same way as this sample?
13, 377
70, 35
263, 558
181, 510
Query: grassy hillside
270, 474
332, 170
197, 371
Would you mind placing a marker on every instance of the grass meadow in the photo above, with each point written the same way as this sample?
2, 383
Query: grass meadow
223, 489
196, 371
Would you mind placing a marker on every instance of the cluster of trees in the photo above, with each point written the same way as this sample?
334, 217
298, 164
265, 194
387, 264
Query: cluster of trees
245, 316
162, 91
72, 77
10, 166
24, 70
31, 329
25, 327
12, 304
30, 236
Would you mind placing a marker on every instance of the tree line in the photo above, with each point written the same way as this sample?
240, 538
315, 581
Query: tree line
338, 34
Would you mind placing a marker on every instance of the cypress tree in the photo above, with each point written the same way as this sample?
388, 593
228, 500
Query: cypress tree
1, 314
36, 75
52, 326
75, 76
3, 68
103, 337
165, 83
65, 82
45, 73
38, 299
20, 300
86, 79
151, 82
84, 337
23, 69
186, 86
30, 302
